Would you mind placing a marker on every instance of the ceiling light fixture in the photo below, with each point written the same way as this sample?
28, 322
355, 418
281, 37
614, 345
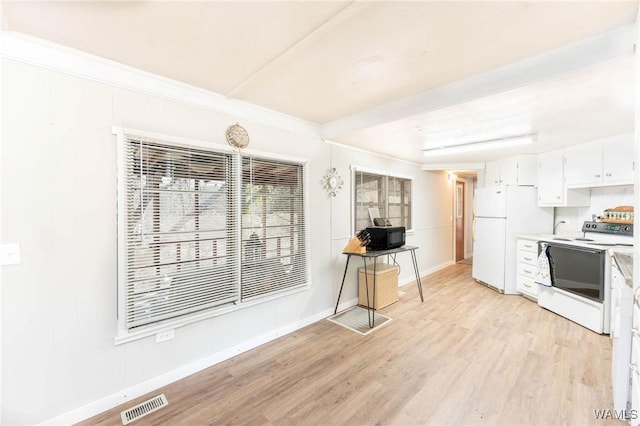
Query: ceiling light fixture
480, 145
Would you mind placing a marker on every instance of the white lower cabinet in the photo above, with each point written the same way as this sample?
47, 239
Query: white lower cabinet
527, 266
635, 365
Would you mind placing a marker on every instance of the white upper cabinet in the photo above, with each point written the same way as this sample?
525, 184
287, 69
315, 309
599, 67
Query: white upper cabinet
492, 174
618, 160
583, 165
603, 162
552, 191
551, 178
518, 170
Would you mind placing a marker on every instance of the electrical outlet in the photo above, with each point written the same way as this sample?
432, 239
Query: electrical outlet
165, 335
9, 254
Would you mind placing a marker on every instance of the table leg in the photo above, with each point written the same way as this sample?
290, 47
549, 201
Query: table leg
415, 268
371, 311
335, 311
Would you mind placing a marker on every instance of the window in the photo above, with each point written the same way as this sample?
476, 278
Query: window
201, 229
273, 227
383, 195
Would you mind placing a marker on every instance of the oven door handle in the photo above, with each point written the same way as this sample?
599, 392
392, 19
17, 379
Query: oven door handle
578, 248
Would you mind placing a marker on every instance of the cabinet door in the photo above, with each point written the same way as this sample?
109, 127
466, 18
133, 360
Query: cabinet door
617, 158
583, 164
492, 174
527, 167
550, 178
509, 171
635, 362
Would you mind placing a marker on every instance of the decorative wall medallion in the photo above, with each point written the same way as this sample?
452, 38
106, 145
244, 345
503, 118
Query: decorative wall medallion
332, 182
237, 136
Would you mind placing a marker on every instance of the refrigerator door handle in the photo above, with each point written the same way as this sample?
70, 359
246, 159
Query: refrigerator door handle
474, 205
473, 229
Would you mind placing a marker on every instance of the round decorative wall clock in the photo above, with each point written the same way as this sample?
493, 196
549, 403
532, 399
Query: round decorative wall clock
332, 182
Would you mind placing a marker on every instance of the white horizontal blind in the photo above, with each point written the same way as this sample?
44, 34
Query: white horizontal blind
181, 248
274, 252
370, 193
399, 201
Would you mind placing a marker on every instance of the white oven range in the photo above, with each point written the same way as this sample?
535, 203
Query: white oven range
581, 273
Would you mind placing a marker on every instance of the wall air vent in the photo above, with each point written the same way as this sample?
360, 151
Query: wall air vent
143, 409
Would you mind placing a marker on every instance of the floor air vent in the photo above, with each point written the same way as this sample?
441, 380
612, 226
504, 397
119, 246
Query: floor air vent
143, 409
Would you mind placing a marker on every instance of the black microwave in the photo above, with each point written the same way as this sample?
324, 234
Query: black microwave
386, 237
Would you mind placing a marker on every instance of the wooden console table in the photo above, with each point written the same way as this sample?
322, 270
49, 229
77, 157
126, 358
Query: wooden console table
374, 254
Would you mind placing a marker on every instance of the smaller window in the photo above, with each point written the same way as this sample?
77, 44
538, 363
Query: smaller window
383, 195
274, 255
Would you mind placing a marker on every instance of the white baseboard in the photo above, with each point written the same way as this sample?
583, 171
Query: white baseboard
94, 408
346, 305
411, 278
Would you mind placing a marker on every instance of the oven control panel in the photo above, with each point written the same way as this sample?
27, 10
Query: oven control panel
608, 228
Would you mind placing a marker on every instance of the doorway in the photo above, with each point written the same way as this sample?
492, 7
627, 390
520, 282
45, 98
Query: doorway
459, 214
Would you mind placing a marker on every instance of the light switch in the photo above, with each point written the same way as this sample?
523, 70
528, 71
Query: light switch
9, 254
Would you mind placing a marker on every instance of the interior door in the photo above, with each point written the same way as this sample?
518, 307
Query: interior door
459, 221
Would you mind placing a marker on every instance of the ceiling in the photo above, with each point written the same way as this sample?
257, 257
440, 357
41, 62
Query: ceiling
386, 76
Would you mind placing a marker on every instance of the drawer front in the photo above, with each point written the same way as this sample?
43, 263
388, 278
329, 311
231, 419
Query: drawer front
527, 270
527, 285
528, 258
528, 245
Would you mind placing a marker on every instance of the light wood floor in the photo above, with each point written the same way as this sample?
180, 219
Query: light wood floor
467, 355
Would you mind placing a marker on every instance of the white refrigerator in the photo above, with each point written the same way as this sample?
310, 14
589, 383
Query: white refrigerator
501, 213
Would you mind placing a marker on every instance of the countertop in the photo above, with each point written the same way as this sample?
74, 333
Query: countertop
625, 264
571, 240
534, 237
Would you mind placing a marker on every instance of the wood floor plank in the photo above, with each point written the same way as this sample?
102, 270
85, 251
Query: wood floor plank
467, 355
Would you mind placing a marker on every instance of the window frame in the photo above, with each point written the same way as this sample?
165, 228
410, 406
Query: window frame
123, 335
386, 174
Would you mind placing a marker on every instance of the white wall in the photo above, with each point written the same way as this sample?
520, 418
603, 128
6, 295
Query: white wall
601, 198
58, 198
59, 203
432, 217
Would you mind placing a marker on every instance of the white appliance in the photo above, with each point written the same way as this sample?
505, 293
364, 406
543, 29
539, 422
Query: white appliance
581, 274
501, 214
621, 328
